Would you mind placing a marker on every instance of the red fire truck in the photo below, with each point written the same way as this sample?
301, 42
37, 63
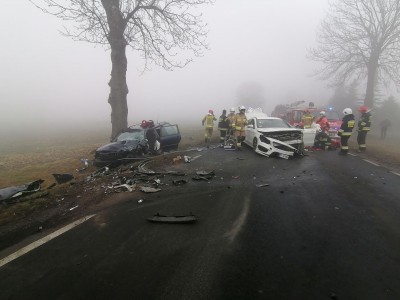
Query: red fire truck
294, 112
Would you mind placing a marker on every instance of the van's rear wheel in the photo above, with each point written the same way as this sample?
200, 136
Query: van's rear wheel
255, 143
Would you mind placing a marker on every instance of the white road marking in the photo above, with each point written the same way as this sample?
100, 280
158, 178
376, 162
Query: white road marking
42, 241
352, 154
371, 162
395, 173
196, 157
238, 224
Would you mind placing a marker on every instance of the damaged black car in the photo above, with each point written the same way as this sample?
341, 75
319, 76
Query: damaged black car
132, 144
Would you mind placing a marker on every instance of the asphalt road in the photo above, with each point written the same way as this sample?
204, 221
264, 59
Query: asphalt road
326, 227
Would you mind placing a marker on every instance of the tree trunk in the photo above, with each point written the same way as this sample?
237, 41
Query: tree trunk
118, 86
371, 83
118, 89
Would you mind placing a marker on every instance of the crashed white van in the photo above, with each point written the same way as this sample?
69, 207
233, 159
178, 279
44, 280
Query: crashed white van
270, 136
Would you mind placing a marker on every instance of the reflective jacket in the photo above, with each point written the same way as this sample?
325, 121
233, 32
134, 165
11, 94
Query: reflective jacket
239, 122
348, 123
223, 123
230, 117
364, 124
208, 121
307, 120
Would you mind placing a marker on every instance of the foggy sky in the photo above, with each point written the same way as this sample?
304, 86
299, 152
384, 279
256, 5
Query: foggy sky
46, 78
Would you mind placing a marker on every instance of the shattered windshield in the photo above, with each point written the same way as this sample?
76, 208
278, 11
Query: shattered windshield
271, 123
135, 135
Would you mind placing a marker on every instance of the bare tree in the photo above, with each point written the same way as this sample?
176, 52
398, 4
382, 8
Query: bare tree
155, 28
360, 39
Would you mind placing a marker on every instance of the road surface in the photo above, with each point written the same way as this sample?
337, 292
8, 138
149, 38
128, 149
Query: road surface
325, 227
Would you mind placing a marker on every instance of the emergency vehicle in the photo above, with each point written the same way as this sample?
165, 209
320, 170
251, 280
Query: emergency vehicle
294, 112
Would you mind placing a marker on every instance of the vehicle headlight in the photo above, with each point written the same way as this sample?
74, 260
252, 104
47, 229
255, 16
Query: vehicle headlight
264, 139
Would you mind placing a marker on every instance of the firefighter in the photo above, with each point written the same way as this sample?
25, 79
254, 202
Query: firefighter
231, 116
345, 130
364, 125
239, 123
307, 119
322, 140
323, 121
208, 123
223, 125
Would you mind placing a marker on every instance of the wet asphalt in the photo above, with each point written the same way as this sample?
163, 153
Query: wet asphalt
319, 227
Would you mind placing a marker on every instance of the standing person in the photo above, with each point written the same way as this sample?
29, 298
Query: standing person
239, 123
223, 125
152, 137
385, 124
345, 130
208, 123
307, 119
364, 125
231, 116
322, 121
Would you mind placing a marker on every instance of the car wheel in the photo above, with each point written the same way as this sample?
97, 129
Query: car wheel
255, 143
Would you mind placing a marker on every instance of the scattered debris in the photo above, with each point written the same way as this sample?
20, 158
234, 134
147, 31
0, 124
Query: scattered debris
157, 218
240, 158
205, 177
235, 177
130, 188
20, 190
72, 208
147, 189
176, 173
262, 184
196, 157
86, 162
51, 186
177, 159
179, 182
63, 178
205, 173
187, 159
140, 200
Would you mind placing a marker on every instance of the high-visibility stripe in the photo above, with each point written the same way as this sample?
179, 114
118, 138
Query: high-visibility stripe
345, 147
366, 129
346, 133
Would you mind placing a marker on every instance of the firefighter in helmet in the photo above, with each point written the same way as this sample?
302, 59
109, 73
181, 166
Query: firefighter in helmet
239, 123
231, 116
208, 123
223, 125
322, 121
364, 125
307, 119
345, 130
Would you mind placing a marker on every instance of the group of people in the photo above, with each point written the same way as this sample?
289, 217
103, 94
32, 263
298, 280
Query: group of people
229, 125
322, 139
348, 124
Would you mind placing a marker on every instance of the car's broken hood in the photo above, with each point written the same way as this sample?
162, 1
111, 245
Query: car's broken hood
119, 146
280, 130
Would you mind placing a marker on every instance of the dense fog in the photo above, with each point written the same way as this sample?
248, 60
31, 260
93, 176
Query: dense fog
257, 57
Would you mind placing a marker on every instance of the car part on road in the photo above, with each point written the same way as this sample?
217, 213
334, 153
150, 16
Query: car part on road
130, 188
157, 218
86, 162
147, 189
63, 178
262, 185
205, 173
18, 191
179, 182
